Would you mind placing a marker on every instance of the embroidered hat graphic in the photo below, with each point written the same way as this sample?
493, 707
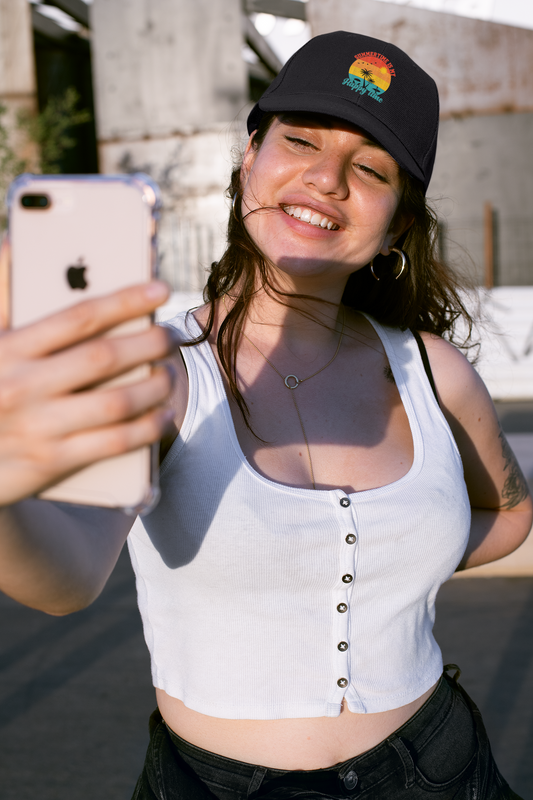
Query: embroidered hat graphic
371, 74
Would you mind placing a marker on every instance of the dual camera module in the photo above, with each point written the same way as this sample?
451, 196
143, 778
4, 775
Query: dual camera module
36, 201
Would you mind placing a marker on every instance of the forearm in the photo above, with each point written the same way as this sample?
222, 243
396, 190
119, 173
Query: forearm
494, 534
57, 558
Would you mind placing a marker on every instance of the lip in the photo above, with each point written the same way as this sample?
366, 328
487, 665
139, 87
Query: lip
321, 208
307, 230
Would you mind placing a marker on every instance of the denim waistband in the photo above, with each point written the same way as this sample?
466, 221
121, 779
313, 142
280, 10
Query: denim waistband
393, 754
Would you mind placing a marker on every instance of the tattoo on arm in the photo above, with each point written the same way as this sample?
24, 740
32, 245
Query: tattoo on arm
515, 488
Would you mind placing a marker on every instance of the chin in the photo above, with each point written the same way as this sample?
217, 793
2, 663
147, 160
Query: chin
303, 268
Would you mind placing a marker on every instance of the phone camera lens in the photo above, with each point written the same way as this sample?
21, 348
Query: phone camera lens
38, 201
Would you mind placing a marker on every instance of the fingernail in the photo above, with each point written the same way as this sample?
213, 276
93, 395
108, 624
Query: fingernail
157, 290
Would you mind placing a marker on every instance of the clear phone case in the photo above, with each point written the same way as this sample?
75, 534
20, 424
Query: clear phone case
76, 237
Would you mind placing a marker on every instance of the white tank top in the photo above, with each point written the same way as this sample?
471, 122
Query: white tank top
263, 601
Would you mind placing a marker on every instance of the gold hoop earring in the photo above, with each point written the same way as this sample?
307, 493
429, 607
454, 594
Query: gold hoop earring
404, 261
233, 203
403, 267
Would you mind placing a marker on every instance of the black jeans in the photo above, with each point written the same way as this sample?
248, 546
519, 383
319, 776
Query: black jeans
442, 752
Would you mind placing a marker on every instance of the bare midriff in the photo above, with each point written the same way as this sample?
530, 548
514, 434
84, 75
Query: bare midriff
305, 743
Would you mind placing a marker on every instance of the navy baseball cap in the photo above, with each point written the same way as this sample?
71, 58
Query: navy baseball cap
367, 82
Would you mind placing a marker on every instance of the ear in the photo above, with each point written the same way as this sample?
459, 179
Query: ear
397, 229
248, 159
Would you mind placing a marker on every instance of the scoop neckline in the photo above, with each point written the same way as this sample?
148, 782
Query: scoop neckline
405, 398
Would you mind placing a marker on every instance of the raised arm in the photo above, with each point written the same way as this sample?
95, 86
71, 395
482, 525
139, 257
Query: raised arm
53, 556
502, 508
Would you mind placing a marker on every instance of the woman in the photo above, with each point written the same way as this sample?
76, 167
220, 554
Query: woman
319, 490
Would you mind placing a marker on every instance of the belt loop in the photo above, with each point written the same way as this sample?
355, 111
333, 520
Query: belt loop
457, 675
406, 758
257, 780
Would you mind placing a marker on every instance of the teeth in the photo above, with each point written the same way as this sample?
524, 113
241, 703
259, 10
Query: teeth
306, 215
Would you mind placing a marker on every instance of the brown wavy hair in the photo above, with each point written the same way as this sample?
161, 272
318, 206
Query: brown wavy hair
426, 298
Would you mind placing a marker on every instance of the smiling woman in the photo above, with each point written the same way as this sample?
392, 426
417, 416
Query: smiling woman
332, 460
345, 485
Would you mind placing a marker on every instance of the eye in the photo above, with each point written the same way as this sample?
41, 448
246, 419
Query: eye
364, 168
301, 144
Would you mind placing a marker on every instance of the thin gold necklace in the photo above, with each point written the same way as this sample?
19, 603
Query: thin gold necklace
297, 381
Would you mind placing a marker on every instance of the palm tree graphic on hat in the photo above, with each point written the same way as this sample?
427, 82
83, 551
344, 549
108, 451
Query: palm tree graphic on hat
367, 76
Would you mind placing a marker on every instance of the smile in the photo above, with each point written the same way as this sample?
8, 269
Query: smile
311, 217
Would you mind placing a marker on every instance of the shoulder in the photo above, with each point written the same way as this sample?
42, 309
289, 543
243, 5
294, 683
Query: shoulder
458, 384
470, 413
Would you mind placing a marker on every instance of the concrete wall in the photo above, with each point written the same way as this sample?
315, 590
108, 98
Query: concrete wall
18, 88
484, 72
486, 158
169, 84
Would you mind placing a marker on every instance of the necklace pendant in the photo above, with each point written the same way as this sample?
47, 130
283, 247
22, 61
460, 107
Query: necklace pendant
292, 385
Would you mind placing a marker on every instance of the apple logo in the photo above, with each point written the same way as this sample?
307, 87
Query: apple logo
76, 275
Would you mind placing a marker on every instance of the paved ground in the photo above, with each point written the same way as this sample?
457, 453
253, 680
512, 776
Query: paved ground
75, 692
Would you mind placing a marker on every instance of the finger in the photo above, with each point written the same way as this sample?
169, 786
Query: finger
85, 410
86, 365
81, 449
36, 467
84, 320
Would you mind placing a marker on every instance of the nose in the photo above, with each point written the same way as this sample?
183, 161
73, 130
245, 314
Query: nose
327, 174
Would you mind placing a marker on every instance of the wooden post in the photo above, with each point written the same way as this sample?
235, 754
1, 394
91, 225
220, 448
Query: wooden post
488, 231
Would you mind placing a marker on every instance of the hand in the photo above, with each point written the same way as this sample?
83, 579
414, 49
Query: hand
51, 424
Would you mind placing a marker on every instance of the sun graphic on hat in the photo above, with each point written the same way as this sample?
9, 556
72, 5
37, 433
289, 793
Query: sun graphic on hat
370, 73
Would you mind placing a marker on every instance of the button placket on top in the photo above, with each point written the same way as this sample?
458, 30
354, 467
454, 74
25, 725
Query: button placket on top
340, 643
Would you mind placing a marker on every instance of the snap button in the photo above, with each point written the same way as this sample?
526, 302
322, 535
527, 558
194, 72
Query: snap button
351, 538
347, 578
342, 607
350, 780
342, 682
345, 502
342, 646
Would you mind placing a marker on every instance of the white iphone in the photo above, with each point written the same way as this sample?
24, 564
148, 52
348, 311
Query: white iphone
75, 237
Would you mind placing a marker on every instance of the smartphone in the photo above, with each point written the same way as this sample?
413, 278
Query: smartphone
76, 237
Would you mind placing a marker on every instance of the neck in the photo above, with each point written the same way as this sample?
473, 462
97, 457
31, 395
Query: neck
304, 327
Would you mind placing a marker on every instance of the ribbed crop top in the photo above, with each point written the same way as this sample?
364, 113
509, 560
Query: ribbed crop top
264, 601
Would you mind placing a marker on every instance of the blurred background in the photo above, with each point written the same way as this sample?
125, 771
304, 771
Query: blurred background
164, 87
